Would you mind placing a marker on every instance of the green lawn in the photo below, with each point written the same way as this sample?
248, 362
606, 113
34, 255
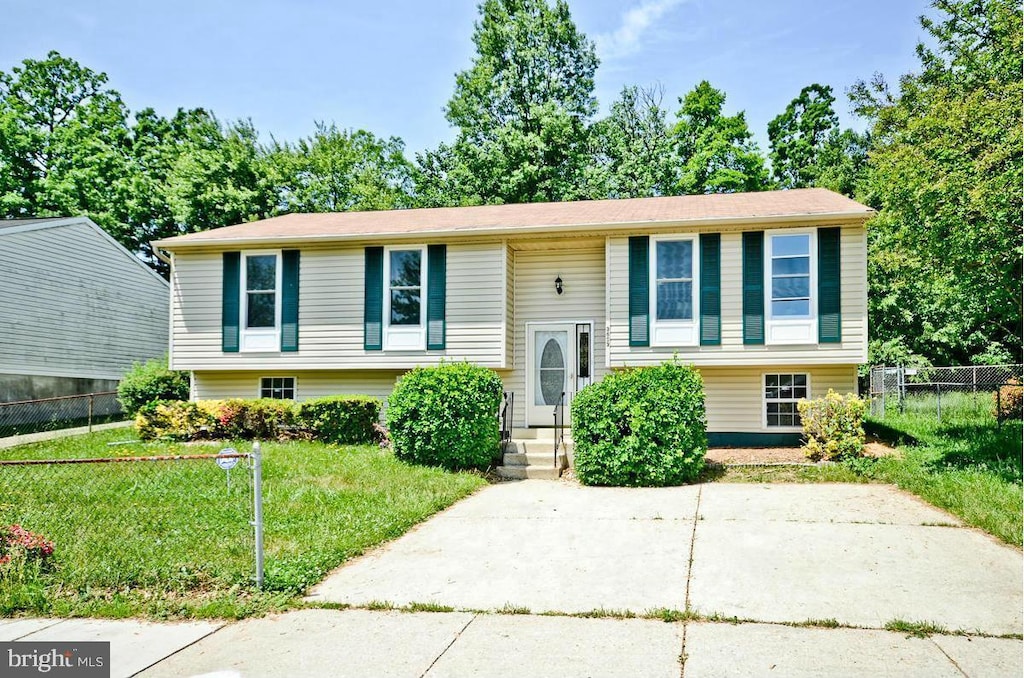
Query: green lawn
966, 464
172, 539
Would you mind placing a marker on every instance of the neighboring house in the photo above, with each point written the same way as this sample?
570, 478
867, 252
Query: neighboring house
77, 307
765, 293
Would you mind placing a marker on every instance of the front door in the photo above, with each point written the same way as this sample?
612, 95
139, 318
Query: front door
558, 365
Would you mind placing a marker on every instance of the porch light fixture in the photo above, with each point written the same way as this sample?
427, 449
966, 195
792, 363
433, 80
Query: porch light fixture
558, 284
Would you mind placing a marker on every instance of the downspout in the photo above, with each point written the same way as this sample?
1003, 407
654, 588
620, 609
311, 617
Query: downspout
160, 254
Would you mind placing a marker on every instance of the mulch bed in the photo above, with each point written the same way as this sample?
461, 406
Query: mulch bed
781, 455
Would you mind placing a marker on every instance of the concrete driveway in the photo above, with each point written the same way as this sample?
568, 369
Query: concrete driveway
863, 555
774, 557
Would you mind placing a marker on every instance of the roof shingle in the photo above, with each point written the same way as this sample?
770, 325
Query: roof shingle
552, 215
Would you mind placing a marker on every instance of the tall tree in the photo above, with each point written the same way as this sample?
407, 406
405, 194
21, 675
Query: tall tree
718, 151
798, 135
522, 109
62, 143
221, 176
633, 148
945, 169
338, 170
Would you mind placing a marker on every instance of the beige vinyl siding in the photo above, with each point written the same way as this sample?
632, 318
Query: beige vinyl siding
75, 304
735, 398
583, 275
732, 351
510, 305
222, 385
331, 313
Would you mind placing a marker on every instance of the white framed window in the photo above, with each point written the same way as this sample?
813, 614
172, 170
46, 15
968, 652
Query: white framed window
781, 394
405, 304
791, 279
261, 301
674, 279
279, 388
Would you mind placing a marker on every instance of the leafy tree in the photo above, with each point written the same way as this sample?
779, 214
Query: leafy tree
633, 148
718, 151
337, 170
220, 177
945, 169
842, 161
62, 143
522, 110
797, 136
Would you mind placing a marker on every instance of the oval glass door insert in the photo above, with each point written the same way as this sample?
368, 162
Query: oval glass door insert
551, 373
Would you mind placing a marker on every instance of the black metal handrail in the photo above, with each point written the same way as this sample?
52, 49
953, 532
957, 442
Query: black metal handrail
508, 402
559, 415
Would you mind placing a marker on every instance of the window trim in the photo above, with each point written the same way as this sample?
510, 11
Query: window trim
791, 330
295, 387
765, 400
673, 332
263, 339
404, 337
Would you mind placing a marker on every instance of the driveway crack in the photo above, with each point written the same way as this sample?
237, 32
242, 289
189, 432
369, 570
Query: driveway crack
689, 578
448, 647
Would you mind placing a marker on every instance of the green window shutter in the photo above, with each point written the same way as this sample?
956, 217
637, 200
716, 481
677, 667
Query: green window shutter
710, 289
753, 287
230, 298
373, 299
290, 301
436, 274
829, 317
639, 291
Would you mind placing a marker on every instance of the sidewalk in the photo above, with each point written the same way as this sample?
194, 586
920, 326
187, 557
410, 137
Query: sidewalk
14, 441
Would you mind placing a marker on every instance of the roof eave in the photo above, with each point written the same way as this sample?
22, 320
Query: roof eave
172, 244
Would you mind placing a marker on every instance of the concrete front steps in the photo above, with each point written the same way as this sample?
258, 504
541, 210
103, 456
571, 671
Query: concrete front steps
531, 454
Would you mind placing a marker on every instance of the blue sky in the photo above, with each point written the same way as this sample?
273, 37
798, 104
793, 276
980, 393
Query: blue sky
389, 65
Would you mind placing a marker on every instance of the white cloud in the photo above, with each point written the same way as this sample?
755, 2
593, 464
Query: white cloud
628, 37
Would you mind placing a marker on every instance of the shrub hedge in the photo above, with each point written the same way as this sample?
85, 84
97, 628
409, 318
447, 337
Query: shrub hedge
336, 419
446, 416
341, 419
833, 426
150, 382
642, 427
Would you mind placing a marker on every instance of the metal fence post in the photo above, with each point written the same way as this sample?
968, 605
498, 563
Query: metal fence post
257, 493
90, 412
938, 403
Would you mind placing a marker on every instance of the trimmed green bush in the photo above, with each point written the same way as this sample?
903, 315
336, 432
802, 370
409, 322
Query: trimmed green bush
174, 420
833, 426
642, 427
150, 382
345, 419
255, 419
446, 416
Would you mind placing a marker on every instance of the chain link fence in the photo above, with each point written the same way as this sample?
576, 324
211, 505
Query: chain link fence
171, 523
972, 390
51, 414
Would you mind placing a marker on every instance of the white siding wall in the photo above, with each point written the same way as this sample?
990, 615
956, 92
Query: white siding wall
853, 348
583, 274
735, 398
75, 304
331, 314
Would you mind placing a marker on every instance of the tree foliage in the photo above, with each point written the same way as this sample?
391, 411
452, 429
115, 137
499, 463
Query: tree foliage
633, 148
798, 135
945, 171
717, 150
339, 170
522, 110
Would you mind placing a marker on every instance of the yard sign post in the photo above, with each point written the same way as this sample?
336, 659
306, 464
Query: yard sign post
257, 492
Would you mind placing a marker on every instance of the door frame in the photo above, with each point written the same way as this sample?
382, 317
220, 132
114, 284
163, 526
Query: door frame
572, 363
